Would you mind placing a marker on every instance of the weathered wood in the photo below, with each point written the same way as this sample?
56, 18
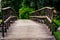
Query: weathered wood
39, 16
49, 19
9, 14
47, 12
6, 8
8, 11
29, 30
9, 18
42, 9
42, 18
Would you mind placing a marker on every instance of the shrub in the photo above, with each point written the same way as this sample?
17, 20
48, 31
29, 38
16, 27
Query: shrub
57, 35
24, 12
57, 22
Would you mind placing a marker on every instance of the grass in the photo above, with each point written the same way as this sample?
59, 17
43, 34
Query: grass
57, 35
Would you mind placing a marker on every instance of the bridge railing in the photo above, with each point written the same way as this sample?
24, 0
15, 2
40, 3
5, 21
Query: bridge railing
44, 15
9, 15
45, 12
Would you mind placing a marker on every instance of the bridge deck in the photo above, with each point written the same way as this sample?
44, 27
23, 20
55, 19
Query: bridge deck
25, 29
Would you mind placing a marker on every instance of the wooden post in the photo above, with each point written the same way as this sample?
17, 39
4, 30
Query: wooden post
3, 24
3, 29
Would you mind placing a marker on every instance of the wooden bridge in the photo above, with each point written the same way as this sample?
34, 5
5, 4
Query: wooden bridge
36, 28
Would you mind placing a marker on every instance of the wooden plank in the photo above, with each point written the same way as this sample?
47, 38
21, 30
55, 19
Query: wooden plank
28, 29
38, 16
42, 17
49, 19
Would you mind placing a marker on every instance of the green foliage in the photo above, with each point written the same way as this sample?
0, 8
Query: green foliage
16, 4
24, 12
0, 21
57, 35
57, 22
31, 3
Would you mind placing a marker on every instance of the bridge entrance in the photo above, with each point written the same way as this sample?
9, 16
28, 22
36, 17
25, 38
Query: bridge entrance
27, 29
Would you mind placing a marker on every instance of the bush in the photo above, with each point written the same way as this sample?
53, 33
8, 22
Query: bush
57, 22
57, 35
24, 12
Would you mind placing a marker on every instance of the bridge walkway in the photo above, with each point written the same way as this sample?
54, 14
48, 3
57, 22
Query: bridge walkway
28, 30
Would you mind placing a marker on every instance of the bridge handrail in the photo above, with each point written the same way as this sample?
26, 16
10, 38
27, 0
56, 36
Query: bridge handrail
9, 18
8, 8
48, 15
39, 15
6, 18
43, 17
42, 9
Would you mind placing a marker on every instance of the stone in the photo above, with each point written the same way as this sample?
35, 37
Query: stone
58, 29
